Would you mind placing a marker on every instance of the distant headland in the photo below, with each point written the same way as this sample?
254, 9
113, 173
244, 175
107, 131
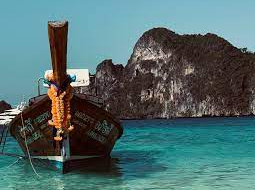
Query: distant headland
171, 75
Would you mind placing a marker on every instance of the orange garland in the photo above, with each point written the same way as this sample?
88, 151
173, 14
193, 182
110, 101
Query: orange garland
60, 109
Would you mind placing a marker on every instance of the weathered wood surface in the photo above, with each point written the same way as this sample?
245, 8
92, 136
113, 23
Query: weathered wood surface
95, 132
57, 32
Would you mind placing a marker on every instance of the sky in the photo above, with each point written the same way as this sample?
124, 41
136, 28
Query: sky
104, 29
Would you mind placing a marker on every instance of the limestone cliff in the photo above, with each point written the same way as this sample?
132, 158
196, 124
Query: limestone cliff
172, 75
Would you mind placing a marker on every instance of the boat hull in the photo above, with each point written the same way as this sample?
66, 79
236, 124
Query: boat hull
94, 135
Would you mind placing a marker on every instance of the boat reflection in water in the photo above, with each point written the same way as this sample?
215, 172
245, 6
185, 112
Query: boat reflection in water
103, 166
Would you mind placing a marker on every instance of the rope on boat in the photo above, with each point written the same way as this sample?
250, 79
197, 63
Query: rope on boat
11, 155
3, 138
14, 162
27, 149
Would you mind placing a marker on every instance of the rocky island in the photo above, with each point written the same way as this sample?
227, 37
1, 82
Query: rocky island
171, 75
4, 106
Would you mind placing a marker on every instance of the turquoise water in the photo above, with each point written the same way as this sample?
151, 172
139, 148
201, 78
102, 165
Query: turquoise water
207, 153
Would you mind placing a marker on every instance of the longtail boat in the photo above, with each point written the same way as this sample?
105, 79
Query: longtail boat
64, 127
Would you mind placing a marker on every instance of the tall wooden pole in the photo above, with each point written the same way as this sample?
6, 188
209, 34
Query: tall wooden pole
57, 32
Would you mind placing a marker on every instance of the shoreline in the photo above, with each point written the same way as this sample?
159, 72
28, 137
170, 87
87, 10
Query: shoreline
171, 118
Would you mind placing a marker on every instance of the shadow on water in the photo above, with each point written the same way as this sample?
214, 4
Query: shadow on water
107, 166
138, 164
111, 173
129, 164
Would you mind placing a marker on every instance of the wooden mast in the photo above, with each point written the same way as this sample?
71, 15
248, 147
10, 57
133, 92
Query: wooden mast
57, 32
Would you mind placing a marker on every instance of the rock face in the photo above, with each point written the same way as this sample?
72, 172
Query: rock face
4, 106
171, 75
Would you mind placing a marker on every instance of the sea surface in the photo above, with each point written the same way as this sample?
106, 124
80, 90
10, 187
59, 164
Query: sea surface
199, 153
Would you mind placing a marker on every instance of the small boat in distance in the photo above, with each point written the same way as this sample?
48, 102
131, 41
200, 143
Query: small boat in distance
64, 127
